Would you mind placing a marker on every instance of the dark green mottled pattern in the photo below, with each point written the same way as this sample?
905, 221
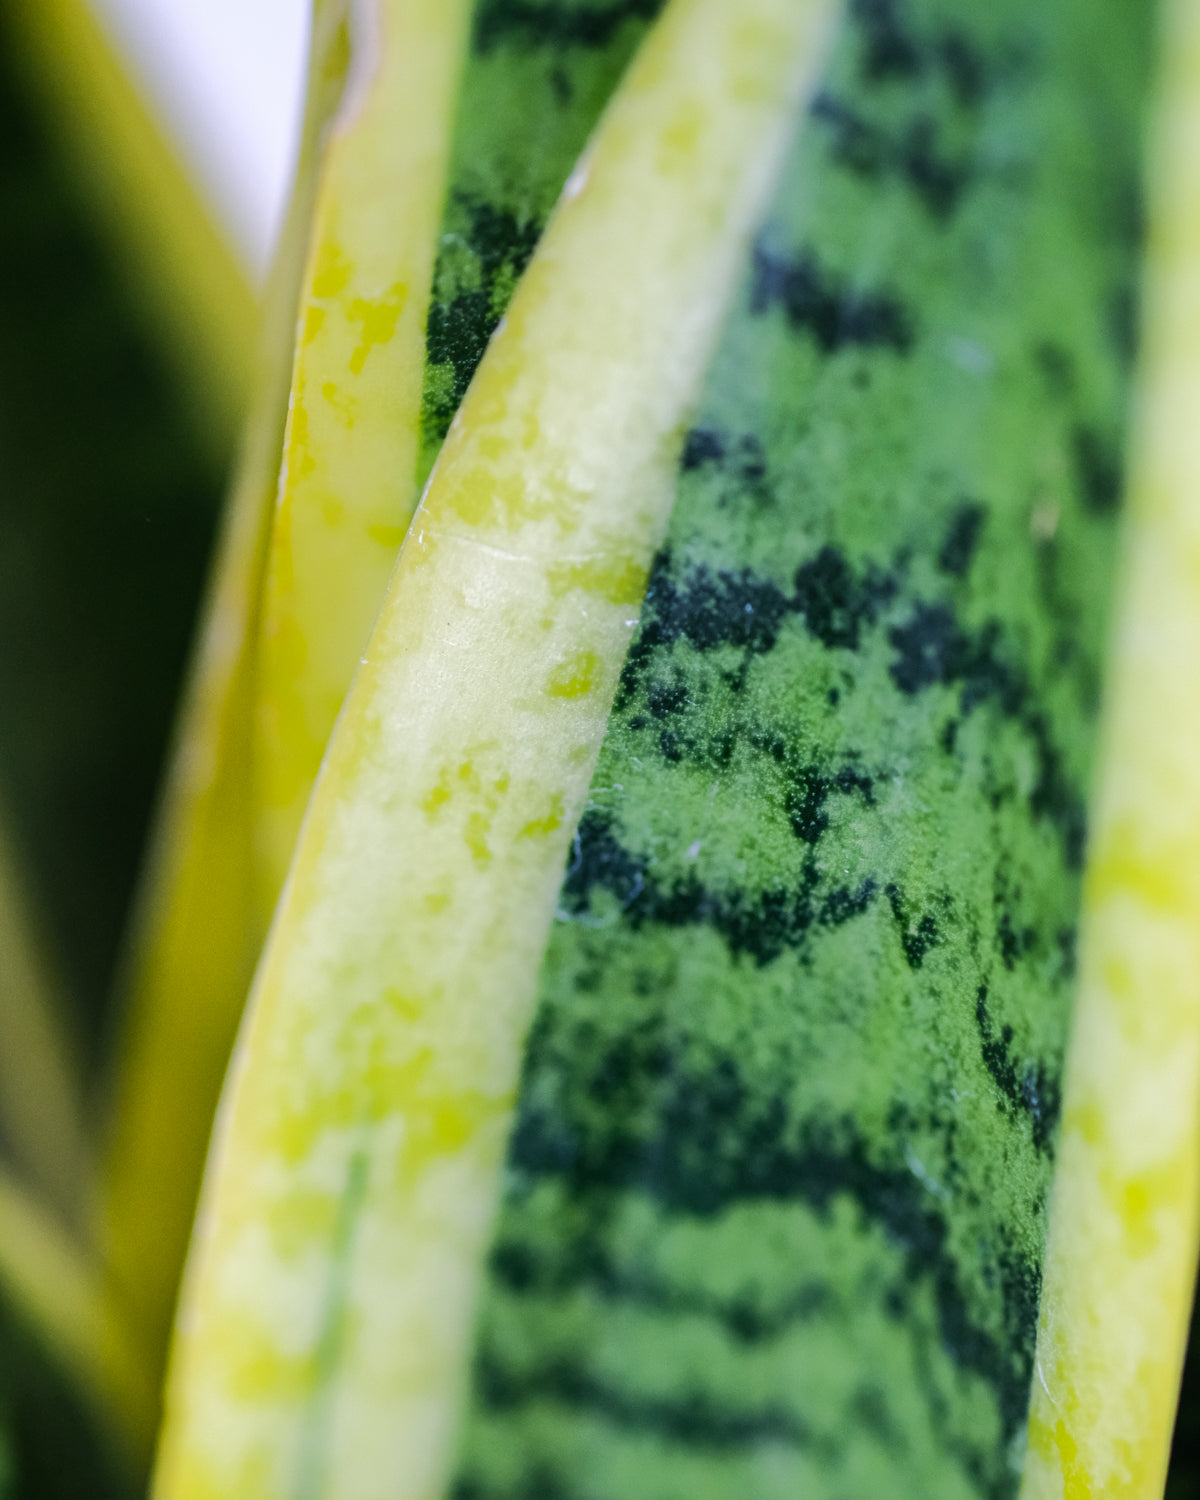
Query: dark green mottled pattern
776, 1192
537, 76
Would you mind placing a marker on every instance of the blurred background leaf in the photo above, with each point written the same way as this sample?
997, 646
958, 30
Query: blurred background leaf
108, 500
124, 338
194, 938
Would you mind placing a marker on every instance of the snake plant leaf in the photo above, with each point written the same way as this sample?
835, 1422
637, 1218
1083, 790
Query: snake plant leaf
382, 365
346, 491
327, 1307
1121, 1259
762, 584
775, 1198
536, 79
195, 940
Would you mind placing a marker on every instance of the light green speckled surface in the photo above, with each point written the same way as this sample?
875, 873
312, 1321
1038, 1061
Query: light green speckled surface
537, 76
776, 1198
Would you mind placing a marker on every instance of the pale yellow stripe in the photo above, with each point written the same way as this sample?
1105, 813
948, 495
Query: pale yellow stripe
196, 939
326, 1324
61, 1297
195, 289
1123, 1232
347, 490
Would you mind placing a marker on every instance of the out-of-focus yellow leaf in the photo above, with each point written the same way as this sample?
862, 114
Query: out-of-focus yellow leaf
63, 1297
1121, 1256
196, 938
196, 290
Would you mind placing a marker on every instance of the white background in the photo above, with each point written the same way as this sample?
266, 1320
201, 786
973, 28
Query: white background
226, 78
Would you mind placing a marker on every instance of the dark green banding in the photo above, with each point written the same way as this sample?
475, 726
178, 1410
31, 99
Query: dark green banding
774, 1213
536, 78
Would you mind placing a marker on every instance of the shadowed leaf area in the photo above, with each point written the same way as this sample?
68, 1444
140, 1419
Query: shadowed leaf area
50, 1447
107, 505
557, 23
1183, 1481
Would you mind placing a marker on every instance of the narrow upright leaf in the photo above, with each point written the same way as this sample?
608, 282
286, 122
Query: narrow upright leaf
380, 365
196, 939
1121, 1259
347, 489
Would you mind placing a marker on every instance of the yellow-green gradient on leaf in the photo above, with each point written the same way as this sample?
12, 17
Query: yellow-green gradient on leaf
41, 1096
346, 488
327, 1313
1121, 1255
473, 118
62, 1294
196, 939
189, 277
